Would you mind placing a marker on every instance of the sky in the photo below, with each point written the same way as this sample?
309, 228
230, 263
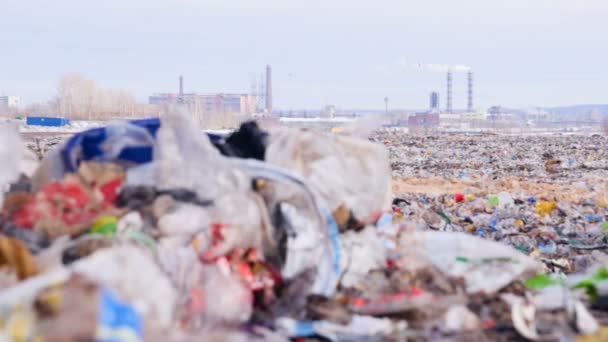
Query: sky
349, 53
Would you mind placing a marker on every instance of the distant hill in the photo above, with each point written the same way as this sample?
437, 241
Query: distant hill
579, 111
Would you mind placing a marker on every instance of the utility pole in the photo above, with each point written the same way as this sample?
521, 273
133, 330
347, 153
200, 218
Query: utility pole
386, 105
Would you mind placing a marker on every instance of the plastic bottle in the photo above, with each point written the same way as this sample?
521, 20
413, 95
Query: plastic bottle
548, 247
493, 200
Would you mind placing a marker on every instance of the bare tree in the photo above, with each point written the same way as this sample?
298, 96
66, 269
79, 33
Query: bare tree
75, 96
81, 98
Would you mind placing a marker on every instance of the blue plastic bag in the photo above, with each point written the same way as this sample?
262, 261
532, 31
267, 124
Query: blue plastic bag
128, 142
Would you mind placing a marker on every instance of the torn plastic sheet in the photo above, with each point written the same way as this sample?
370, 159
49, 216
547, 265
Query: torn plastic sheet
303, 243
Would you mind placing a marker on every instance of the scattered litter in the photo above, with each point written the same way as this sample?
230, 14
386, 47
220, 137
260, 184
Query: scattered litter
155, 230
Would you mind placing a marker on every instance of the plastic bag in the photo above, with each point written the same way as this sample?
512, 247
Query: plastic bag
187, 159
128, 143
226, 299
358, 328
302, 226
133, 274
342, 170
485, 265
11, 154
363, 251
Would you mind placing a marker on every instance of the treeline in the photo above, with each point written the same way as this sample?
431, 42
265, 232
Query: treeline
81, 98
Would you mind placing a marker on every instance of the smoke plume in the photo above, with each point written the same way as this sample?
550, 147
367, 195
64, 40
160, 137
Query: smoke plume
442, 67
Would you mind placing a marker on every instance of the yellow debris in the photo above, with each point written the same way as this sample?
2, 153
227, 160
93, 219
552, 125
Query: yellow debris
545, 208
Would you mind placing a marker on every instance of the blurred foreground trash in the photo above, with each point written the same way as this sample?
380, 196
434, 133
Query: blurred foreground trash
153, 230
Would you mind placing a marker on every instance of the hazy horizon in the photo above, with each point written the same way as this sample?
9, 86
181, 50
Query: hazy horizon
348, 53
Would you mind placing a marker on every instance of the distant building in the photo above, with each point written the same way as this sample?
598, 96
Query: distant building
474, 115
268, 89
423, 121
498, 113
208, 104
242, 104
10, 102
537, 114
329, 111
397, 119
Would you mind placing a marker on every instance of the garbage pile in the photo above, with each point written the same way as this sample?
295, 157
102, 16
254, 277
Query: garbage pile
493, 156
40, 146
547, 196
152, 230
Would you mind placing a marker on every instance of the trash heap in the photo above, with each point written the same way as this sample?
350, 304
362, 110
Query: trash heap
152, 230
491, 157
40, 146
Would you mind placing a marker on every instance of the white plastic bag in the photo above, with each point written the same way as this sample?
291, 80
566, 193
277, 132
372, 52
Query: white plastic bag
359, 328
363, 251
11, 153
135, 276
342, 170
485, 265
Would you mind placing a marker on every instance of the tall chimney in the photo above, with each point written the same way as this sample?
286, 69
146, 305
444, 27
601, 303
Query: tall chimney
448, 99
268, 89
181, 85
470, 94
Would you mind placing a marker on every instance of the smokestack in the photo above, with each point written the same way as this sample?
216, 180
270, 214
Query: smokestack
470, 95
181, 85
449, 93
268, 89
434, 101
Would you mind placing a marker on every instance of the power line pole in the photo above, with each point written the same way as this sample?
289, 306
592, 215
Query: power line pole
386, 105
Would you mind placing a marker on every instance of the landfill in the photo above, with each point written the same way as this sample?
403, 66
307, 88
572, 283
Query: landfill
153, 230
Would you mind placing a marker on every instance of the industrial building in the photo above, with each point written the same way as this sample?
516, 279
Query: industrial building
238, 104
423, 122
9, 102
220, 103
452, 116
268, 89
470, 92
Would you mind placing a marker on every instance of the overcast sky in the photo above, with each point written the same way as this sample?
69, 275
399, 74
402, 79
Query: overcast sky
350, 53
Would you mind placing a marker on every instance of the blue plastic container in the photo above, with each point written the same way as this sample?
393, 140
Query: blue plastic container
46, 121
